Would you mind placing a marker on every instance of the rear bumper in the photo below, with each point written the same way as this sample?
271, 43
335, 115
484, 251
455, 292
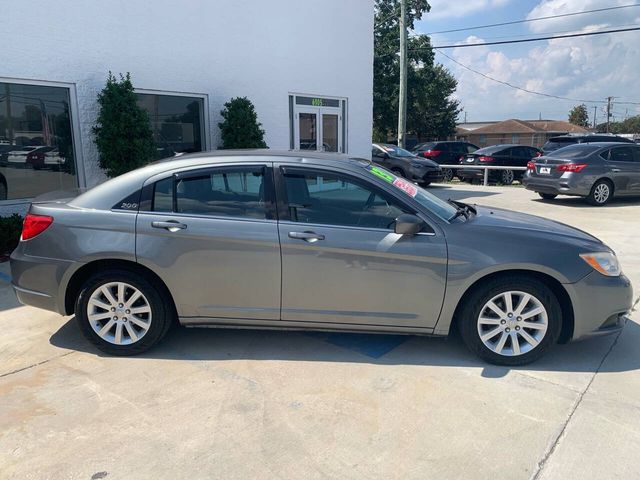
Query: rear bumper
568, 184
426, 175
600, 305
36, 280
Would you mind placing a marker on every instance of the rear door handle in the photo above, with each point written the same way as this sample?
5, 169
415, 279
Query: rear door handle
310, 237
171, 225
615, 170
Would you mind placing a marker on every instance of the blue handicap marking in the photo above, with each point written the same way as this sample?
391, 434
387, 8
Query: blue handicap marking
371, 345
6, 277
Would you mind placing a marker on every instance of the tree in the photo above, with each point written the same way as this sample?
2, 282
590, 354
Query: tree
122, 132
579, 116
240, 127
629, 125
431, 112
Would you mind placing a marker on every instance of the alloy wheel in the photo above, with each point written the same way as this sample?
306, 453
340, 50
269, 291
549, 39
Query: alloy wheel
119, 313
512, 323
507, 177
601, 193
448, 174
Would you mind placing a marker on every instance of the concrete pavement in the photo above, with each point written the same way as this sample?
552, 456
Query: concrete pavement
237, 404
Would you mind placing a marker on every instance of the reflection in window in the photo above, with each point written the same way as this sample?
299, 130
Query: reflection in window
36, 145
176, 121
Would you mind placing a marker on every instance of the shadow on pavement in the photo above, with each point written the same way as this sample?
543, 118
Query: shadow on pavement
210, 344
581, 202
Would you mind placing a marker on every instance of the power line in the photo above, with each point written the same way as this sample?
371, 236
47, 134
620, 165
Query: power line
537, 39
533, 92
478, 27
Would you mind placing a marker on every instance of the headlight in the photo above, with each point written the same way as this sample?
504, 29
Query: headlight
604, 262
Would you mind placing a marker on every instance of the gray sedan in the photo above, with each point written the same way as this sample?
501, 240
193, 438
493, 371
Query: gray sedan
269, 239
597, 171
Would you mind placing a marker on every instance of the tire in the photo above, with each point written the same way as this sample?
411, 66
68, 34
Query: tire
425, 184
448, 174
153, 297
398, 171
3, 191
507, 177
476, 319
547, 196
600, 193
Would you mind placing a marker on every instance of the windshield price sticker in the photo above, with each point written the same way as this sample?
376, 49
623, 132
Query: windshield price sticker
407, 187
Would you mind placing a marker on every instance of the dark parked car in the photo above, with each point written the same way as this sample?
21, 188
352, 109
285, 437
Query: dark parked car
3, 187
596, 171
498, 155
406, 164
561, 141
297, 240
445, 153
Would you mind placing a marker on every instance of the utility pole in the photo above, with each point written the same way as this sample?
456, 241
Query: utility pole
595, 114
402, 100
608, 112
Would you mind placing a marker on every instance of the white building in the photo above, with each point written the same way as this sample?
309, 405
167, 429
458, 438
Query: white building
306, 66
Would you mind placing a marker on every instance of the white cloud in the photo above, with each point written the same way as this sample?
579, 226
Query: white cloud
461, 8
589, 68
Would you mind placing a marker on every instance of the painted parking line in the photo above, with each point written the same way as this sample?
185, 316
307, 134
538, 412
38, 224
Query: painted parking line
371, 345
6, 277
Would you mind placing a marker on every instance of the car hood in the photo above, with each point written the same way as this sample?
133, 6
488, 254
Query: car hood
499, 218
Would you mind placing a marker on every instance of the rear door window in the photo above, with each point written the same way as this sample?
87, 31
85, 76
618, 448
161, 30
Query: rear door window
621, 154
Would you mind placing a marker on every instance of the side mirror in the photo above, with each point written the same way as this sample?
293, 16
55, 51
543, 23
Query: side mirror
407, 224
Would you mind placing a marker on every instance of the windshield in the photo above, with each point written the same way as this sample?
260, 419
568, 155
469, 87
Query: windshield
396, 151
442, 209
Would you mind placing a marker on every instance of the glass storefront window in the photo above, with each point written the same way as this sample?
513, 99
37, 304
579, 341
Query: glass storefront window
36, 142
177, 122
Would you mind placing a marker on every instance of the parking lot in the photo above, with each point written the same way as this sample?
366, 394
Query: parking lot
241, 404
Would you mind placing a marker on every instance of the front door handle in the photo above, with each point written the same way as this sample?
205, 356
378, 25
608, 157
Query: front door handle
615, 170
310, 237
171, 225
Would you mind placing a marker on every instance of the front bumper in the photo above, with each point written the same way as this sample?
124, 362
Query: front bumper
600, 304
426, 175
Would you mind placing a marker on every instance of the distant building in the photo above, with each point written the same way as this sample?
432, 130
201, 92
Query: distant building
523, 132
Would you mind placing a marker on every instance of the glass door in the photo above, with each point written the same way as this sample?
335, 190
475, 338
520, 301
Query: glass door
318, 127
330, 132
307, 129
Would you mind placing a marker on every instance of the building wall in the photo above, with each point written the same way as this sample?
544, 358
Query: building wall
262, 50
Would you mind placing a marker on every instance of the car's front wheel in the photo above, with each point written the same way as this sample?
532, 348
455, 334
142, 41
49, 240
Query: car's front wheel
122, 312
510, 320
507, 177
448, 174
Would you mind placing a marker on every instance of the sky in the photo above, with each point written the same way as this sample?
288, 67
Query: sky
582, 68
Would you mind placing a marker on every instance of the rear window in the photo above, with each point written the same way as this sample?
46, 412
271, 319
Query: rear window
425, 146
575, 151
490, 150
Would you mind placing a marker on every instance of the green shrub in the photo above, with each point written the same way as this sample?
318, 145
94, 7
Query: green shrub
123, 132
10, 229
240, 128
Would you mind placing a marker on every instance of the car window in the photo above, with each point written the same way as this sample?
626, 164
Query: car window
471, 148
621, 154
636, 154
334, 199
376, 152
224, 192
163, 195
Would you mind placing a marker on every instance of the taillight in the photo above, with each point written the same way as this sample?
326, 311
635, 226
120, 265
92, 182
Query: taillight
484, 158
531, 166
34, 225
571, 167
431, 153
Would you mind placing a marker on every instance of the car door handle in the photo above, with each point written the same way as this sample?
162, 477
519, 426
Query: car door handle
310, 237
171, 225
615, 170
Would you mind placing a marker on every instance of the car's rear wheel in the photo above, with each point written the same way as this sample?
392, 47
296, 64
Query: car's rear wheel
122, 312
601, 193
448, 174
510, 320
507, 177
547, 196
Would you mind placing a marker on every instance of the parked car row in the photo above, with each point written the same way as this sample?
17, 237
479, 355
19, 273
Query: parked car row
36, 157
